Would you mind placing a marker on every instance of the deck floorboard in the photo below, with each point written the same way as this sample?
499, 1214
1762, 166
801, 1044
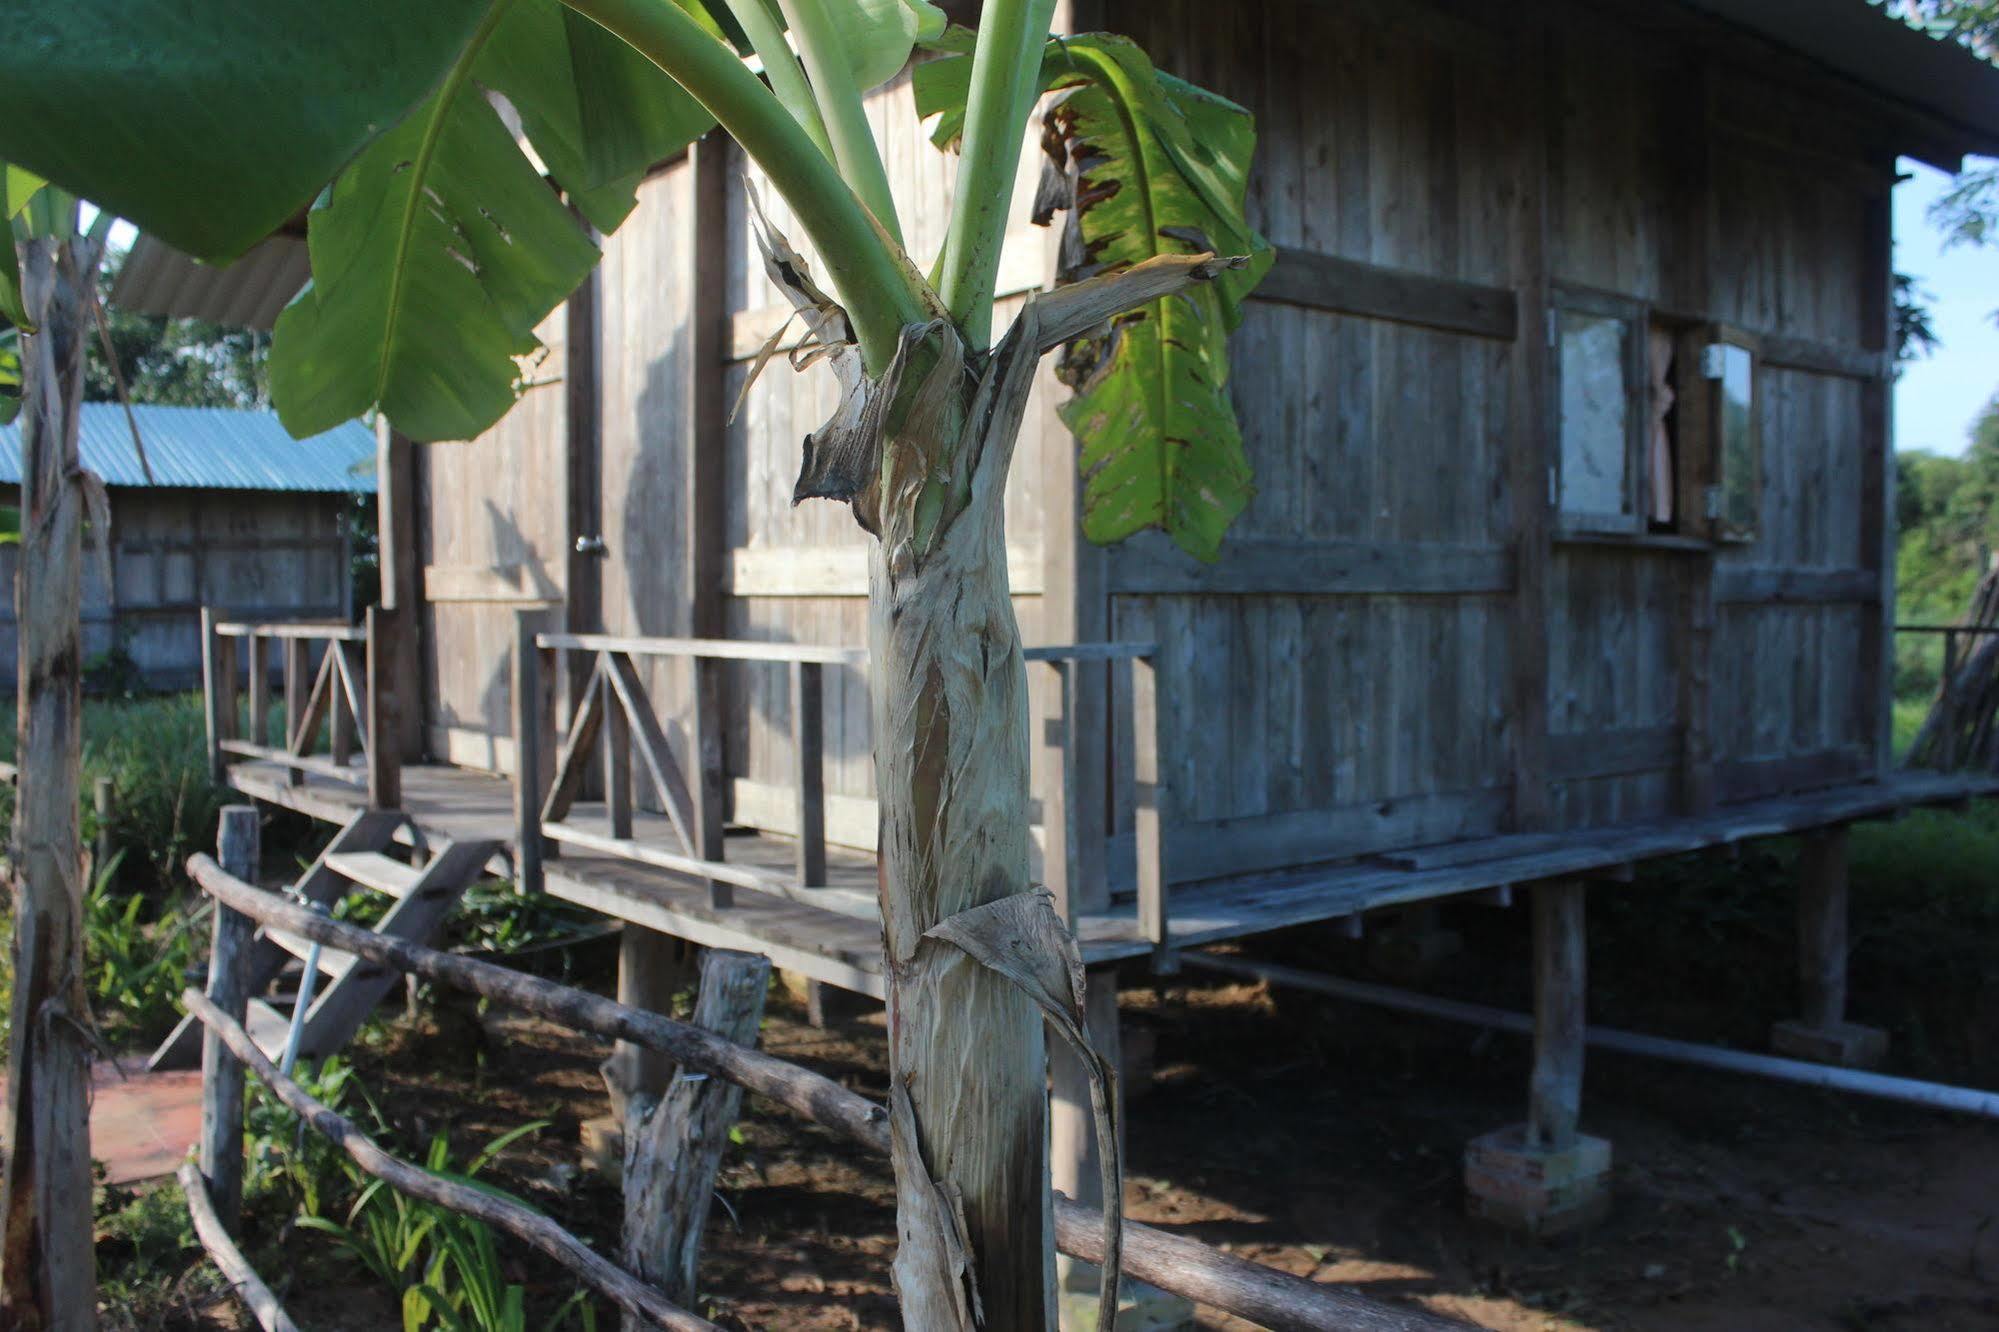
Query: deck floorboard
840, 944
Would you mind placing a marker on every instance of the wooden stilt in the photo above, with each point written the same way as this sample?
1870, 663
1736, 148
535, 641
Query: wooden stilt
1560, 982
652, 967
1821, 1030
1073, 1169
1545, 1177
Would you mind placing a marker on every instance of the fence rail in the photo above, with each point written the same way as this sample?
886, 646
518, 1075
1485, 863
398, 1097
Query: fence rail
612, 722
1174, 1263
345, 697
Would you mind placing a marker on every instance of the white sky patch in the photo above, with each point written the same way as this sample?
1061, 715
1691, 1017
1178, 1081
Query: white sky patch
1938, 397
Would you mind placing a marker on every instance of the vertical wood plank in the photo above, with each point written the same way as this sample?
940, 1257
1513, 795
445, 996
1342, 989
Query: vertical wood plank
706, 486
617, 733
1822, 927
228, 989
385, 759
1874, 701
401, 568
530, 757
1560, 985
1530, 456
340, 716
257, 721
808, 746
1148, 812
298, 688
674, 1145
583, 520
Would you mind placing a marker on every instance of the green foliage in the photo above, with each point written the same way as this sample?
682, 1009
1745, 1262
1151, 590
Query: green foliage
214, 121
1947, 520
1155, 166
176, 362
442, 1267
138, 957
436, 254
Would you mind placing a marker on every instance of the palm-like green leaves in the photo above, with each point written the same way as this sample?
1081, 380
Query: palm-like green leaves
436, 253
1149, 165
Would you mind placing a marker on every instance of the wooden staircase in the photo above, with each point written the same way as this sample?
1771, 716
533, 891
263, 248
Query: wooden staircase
362, 857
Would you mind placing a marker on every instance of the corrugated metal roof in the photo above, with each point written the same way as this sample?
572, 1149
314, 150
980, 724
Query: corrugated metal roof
211, 448
157, 279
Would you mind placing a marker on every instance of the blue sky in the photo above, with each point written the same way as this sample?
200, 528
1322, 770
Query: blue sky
1937, 398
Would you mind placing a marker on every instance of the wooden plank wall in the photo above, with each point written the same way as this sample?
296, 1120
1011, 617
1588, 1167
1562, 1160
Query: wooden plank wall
1339, 681
258, 554
493, 533
800, 574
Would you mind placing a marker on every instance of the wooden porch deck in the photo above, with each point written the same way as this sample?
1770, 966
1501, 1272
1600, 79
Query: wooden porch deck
832, 933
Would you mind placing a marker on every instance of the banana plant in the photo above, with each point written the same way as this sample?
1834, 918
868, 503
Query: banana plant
426, 140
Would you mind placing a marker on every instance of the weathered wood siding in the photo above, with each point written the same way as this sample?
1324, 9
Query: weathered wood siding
1401, 643
268, 555
1338, 682
492, 532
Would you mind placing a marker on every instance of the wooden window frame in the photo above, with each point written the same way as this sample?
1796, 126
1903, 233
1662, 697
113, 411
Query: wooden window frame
1635, 315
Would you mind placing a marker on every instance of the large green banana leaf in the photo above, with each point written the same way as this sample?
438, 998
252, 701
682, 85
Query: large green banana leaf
1151, 165
212, 122
438, 251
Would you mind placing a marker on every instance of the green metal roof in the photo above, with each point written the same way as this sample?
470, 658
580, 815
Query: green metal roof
211, 448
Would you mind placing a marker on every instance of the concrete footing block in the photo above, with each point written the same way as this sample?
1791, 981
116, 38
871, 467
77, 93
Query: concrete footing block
1538, 1191
1847, 1044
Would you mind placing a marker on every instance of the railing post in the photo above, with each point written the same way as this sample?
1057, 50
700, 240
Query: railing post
382, 744
708, 773
530, 763
617, 756
1148, 814
257, 722
221, 1072
808, 747
340, 714
298, 684
218, 690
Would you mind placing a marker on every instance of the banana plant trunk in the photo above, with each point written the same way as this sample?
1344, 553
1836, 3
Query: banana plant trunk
968, 1101
47, 1272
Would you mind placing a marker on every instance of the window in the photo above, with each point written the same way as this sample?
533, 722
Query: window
1601, 368
1596, 480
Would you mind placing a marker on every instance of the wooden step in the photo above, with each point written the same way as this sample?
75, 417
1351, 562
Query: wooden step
267, 1027
332, 962
372, 869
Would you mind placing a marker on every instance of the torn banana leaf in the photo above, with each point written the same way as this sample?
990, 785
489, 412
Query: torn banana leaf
1147, 165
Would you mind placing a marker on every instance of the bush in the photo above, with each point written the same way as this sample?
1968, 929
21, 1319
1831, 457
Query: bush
155, 751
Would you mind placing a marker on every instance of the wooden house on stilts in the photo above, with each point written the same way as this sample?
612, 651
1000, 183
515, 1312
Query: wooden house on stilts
1569, 405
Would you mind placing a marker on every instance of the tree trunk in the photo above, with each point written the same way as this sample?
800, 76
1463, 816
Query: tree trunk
968, 1095
47, 1276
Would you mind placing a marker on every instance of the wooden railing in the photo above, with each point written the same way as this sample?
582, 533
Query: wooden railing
344, 698
612, 721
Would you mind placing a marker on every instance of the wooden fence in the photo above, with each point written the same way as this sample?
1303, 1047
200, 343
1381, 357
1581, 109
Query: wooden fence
612, 720
345, 699
1174, 1263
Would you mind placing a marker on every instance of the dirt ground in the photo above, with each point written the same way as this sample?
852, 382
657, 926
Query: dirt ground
1321, 1138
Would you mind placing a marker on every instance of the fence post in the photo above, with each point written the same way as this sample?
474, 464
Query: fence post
221, 1072
673, 1146
808, 747
384, 731
1947, 700
530, 777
